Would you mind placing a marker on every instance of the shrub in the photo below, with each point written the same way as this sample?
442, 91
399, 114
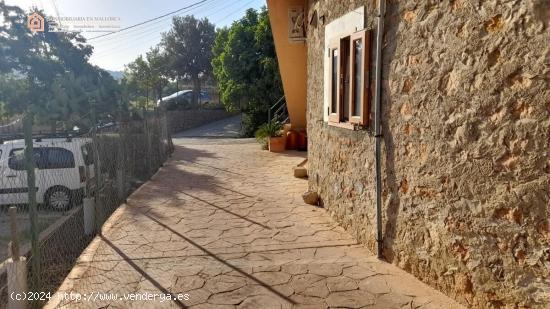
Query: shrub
266, 130
246, 70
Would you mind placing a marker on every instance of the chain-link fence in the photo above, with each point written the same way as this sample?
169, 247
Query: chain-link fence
57, 190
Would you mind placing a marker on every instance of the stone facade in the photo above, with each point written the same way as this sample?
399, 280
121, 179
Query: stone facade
187, 119
466, 146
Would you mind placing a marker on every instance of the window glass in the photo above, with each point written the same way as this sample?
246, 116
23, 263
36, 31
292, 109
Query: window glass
54, 158
349, 80
17, 159
345, 57
334, 83
358, 78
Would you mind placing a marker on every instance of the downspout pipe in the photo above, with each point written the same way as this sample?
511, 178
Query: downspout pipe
377, 125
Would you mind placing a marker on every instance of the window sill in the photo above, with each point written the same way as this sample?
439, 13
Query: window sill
345, 125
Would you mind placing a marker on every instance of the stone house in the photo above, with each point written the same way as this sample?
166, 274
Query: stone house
464, 133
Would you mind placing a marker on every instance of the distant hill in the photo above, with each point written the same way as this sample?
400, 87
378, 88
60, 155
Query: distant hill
116, 74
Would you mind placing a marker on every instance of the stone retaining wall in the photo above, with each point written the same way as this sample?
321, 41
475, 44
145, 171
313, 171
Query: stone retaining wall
187, 119
466, 146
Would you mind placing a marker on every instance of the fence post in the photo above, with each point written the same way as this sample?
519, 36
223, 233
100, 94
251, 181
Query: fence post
88, 205
147, 143
158, 139
164, 128
33, 217
160, 132
97, 167
167, 131
14, 247
88, 202
16, 267
120, 175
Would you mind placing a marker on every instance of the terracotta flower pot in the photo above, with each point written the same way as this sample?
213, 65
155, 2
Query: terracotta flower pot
292, 140
277, 144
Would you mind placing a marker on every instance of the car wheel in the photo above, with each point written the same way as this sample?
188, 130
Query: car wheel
58, 198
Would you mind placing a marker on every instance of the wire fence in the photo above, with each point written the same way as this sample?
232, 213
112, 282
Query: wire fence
57, 191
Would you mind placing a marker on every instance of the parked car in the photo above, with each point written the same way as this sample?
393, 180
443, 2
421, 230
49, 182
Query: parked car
63, 167
183, 98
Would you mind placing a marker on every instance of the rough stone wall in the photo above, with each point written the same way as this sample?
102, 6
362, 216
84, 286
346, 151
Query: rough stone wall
187, 119
466, 146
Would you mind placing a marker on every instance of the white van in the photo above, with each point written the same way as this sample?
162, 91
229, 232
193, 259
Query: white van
63, 166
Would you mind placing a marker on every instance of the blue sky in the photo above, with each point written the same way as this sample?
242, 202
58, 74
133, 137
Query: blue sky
114, 51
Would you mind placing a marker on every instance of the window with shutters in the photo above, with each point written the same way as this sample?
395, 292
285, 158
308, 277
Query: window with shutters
349, 80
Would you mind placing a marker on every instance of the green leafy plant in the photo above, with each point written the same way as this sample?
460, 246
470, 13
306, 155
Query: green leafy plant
267, 130
245, 67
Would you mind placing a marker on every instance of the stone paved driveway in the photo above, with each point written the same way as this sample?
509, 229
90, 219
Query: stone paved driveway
224, 226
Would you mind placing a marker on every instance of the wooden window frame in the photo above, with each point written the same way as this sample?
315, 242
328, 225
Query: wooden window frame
335, 117
363, 118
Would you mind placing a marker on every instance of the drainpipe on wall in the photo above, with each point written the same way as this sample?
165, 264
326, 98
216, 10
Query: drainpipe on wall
377, 126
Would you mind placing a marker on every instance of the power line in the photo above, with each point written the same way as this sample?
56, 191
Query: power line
136, 30
149, 20
156, 31
160, 24
118, 41
231, 14
122, 47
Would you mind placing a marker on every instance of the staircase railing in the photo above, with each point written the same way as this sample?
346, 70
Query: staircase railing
279, 111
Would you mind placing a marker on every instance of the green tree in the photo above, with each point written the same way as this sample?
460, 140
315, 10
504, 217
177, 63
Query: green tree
138, 81
245, 66
49, 73
158, 70
188, 46
145, 76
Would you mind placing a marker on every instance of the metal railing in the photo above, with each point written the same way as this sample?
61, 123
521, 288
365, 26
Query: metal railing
279, 111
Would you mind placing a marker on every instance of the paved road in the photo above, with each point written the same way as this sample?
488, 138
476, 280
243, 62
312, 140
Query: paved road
225, 128
223, 225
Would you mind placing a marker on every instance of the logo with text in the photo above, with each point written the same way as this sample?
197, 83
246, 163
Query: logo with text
35, 22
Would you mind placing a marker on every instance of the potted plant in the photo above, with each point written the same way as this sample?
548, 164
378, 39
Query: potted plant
271, 137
